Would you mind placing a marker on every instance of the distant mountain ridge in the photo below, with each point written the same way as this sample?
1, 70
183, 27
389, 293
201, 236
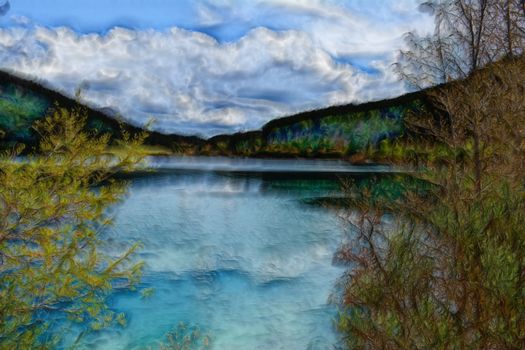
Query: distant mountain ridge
329, 132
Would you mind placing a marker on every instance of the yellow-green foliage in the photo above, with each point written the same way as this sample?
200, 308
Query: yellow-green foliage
53, 211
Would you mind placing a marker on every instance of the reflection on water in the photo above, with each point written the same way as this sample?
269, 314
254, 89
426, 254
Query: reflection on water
240, 256
264, 165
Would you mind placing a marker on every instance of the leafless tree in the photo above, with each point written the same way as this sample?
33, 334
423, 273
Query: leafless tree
468, 35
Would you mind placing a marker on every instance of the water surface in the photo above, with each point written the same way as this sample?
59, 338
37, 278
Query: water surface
266, 165
239, 254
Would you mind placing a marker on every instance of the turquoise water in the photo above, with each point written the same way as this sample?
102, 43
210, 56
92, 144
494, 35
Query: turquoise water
238, 254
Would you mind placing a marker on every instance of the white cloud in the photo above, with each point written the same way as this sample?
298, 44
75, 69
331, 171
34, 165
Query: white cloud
190, 83
339, 27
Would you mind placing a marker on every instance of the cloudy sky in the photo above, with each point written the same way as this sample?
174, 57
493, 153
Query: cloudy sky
212, 66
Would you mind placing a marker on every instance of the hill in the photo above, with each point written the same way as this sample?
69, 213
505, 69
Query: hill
22, 102
337, 131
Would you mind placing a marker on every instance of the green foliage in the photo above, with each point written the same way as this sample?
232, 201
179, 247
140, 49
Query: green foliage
19, 109
53, 211
340, 134
22, 103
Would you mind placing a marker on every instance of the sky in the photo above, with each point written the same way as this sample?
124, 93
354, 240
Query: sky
213, 66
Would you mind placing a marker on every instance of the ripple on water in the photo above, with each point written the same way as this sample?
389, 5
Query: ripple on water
250, 265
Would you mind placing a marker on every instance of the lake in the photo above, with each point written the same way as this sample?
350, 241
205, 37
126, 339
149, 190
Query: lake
233, 247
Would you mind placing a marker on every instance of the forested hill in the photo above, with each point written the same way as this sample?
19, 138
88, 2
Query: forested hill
330, 132
22, 102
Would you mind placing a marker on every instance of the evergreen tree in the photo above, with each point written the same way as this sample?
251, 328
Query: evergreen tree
53, 211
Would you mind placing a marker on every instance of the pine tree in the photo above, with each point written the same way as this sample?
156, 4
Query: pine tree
53, 211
